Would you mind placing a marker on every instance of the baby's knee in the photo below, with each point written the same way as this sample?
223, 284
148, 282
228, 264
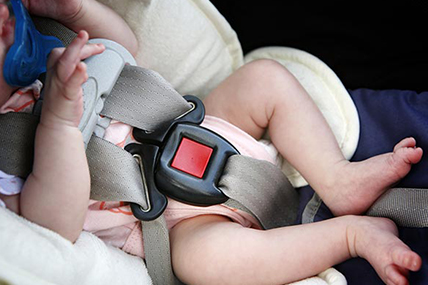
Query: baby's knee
261, 67
270, 74
266, 69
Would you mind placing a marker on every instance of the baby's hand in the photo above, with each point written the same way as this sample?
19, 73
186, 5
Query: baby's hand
63, 100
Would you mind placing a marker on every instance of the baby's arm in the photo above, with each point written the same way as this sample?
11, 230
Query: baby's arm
97, 19
56, 193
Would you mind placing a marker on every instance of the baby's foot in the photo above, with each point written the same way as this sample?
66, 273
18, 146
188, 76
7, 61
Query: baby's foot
63, 101
375, 239
357, 185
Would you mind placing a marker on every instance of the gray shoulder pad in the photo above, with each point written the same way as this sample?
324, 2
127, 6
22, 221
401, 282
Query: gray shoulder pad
103, 72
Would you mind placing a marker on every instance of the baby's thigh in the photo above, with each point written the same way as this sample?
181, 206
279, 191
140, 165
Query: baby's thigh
247, 98
195, 247
11, 202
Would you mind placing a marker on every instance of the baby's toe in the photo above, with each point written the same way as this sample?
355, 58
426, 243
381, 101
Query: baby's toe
407, 142
405, 258
395, 275
408, 155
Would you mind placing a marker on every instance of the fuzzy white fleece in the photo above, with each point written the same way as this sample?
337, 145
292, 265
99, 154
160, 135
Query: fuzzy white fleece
31, 254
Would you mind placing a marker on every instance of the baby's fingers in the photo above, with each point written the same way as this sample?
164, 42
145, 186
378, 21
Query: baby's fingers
78, 77
69, 59
90, 50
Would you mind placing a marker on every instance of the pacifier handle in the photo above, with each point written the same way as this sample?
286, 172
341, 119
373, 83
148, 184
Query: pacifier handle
27, 57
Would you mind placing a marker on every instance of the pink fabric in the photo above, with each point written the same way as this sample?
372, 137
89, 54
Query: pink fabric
113, 222
23, 99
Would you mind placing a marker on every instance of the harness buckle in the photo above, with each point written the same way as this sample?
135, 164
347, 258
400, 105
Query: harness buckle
181, 160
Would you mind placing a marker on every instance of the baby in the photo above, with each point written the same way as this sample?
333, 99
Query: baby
210, 248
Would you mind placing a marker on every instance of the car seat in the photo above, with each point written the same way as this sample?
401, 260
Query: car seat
192, 68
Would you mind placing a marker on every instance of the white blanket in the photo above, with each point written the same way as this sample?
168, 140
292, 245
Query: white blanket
30, 254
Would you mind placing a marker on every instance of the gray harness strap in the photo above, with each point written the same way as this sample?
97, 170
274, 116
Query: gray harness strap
262, 188
157, 252
407, 207
50, 27
143, 99
114, 174
17, 134
311, 209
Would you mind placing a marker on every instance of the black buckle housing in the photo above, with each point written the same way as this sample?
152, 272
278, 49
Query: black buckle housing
158, 152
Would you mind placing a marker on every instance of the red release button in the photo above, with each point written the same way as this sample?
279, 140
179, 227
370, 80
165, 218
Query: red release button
192, 157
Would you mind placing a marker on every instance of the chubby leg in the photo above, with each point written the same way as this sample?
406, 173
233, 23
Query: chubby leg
270, 97
213, 250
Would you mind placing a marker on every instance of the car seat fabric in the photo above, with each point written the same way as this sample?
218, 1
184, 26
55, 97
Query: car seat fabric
187, 41
386, 117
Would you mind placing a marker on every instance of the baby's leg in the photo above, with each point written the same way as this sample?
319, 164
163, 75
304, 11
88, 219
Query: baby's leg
214, 250
263, 94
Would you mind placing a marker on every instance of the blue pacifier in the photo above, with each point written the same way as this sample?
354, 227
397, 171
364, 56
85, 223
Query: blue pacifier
27, 57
